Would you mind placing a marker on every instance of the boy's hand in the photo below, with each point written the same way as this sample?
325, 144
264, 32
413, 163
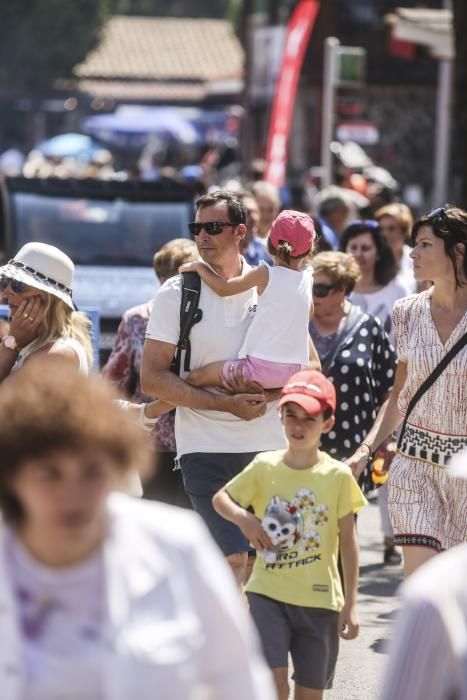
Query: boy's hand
251, 528
349, 622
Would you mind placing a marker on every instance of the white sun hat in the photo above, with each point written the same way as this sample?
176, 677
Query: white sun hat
44, 267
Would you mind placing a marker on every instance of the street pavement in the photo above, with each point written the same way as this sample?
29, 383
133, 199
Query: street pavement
361, 661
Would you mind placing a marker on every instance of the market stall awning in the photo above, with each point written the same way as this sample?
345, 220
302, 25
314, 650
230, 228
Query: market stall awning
430, 28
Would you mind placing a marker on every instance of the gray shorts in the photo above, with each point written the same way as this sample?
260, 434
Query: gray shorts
309, 634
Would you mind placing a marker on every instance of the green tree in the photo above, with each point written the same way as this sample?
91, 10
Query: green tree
41, 40
460, 82
178, 8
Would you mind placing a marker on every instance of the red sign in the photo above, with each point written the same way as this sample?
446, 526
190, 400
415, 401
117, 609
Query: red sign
298, 33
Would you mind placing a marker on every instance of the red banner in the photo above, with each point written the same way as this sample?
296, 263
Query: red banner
298, 33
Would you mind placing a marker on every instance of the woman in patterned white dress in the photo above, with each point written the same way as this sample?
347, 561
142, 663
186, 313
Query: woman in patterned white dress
428, 505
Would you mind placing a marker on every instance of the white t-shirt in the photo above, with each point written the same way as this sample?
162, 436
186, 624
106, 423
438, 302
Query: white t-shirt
61, 614
405, 276
279, 329
380, 303
218, 336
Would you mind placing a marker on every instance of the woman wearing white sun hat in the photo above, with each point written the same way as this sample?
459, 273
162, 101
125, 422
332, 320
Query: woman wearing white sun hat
36, 285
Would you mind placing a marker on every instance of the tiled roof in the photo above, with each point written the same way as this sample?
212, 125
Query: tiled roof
138, 90
165, 49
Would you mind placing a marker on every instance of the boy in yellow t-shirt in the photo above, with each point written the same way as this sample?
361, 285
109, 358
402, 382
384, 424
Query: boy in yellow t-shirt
304, 503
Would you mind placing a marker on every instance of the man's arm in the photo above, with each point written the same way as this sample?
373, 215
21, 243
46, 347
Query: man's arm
157, 380
257, 277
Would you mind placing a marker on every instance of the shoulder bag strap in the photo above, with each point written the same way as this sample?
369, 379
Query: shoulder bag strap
189, 315
430, 380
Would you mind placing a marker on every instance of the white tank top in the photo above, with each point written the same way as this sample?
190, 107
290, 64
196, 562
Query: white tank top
279, 329
68, 342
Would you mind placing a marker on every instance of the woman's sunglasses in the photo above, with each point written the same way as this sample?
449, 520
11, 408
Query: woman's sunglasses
212, 228
17, 286
322, 290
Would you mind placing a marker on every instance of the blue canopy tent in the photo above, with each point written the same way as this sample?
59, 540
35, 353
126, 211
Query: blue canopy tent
71, 145
134, 126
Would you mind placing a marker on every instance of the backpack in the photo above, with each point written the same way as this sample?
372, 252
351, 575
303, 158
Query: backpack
189, 315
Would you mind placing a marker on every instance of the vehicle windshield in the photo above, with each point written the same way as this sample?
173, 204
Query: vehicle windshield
100, 232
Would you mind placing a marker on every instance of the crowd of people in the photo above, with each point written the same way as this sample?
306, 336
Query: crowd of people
305, 367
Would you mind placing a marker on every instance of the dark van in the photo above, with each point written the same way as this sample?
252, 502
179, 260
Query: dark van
110, 229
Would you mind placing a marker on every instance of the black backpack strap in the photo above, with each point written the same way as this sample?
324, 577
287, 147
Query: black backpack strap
189, 315
430, 380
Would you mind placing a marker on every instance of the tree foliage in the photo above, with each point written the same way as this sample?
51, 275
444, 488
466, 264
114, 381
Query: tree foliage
41, 40
178, 8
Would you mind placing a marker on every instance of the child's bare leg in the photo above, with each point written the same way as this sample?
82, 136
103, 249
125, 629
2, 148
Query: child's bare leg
281, 679
302, 693
209, 375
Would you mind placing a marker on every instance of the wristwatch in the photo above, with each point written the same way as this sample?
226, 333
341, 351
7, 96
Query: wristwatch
9, 341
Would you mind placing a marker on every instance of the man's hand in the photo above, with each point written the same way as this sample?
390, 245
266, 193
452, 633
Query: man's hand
251, 528
247, 406
358, 461
237, 384
349, 622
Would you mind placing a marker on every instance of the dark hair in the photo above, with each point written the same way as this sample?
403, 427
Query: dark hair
235, 206
450, 224
45, 408
386, 265
284, 252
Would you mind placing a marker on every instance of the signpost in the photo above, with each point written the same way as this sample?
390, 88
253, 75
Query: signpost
343, 66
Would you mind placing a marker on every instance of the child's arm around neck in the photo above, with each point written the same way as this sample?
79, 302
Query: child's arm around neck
256, 277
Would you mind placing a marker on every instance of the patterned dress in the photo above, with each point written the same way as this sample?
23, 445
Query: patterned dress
428, 506
124, 365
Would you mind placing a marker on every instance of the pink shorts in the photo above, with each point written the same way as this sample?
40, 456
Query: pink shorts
271, 375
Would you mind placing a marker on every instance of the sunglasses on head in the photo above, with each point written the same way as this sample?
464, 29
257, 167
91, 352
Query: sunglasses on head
322, 290
364, 223
212, 228
17, 287
441, 215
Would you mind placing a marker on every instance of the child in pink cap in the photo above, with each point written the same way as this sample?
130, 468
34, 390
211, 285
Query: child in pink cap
277, 342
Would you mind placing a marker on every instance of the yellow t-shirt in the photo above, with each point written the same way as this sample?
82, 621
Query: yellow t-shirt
300, 510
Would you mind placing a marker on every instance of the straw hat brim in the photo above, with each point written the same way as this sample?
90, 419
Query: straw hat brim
32, 280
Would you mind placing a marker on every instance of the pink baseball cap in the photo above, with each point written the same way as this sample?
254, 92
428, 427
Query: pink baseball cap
295, 228
311, 390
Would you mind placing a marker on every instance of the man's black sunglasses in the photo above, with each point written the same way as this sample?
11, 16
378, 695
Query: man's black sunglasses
212, 228
322, 290
17, 286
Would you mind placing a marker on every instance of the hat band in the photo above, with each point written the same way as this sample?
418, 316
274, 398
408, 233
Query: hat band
40, 276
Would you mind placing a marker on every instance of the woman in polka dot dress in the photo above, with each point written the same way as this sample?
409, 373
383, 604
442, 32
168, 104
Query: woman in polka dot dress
355, 354
428, 505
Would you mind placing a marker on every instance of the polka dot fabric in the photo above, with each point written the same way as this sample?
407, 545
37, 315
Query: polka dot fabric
362, 373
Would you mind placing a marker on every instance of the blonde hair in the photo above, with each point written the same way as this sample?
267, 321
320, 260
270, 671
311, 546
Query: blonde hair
168, 259
262, 188
341, 268
401, 213
60, 322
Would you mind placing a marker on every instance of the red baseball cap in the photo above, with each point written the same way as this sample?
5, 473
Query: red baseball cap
311, 390
295, 228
